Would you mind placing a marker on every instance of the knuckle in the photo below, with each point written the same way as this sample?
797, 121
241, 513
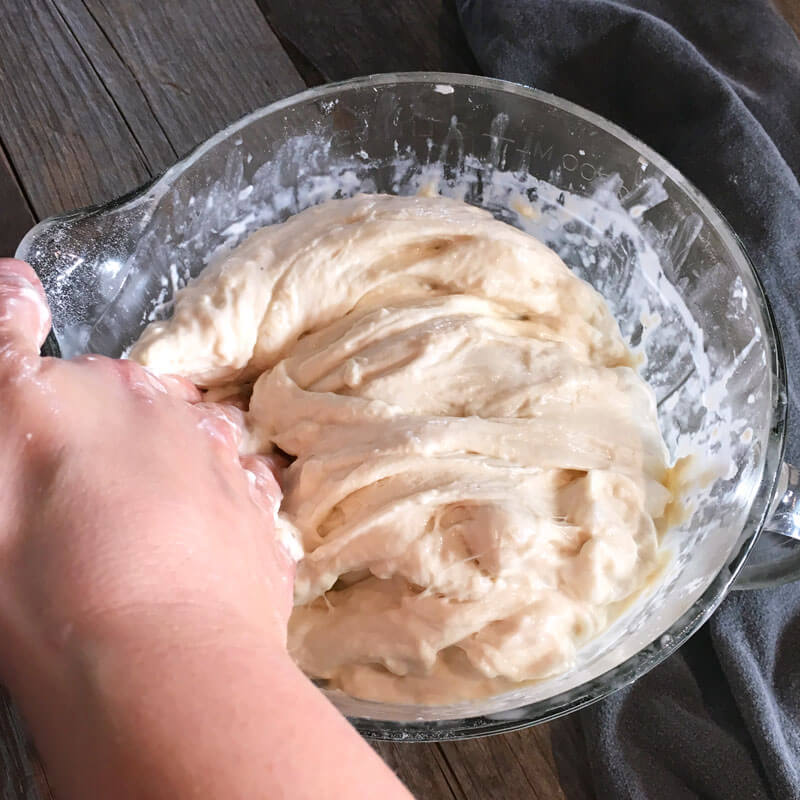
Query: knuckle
222, 422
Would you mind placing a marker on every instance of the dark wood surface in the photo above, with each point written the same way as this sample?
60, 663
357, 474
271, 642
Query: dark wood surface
791, 12
98, 96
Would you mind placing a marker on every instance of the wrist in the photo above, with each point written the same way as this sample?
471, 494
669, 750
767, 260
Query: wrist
112, 705
63, 655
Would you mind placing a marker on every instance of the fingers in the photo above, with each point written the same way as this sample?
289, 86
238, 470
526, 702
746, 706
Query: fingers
264, 488
222, 422
180, 388
262, 469
277, 465
137, 378
144, 381
226, 424
130, 374
266, 494
24, 313
140, 380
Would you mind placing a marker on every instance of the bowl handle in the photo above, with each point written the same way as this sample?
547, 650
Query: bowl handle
82, 259
777, 549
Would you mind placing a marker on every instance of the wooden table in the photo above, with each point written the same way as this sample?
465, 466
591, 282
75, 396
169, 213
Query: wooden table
99, 96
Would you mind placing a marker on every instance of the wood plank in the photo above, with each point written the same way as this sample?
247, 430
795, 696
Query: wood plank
60, 128
511, 765
198, 65
423, 769
345, 38
16, 215
97, 97
120, 84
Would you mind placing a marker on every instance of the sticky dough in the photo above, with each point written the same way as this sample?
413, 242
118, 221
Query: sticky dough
479, 471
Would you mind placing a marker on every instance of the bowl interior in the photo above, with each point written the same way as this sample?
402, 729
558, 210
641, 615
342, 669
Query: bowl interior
622, 218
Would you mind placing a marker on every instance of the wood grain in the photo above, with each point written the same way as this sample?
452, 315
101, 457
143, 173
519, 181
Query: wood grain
423, 768
16, 214
60, 127
98, 96
511, 765
195, 65
790, 10
345, 38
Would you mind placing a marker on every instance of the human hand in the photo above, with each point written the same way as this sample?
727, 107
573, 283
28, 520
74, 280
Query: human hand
143, 594
125, 512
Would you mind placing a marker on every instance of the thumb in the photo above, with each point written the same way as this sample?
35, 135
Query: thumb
24, 313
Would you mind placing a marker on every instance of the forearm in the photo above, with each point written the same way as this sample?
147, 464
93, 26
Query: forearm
228, 718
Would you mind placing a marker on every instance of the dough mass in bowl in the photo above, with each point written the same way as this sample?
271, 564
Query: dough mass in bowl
479, 476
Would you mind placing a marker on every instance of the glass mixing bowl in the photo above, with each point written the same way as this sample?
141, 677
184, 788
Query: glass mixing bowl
674, 273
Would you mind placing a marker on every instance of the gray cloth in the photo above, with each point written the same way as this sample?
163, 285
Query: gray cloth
714, 86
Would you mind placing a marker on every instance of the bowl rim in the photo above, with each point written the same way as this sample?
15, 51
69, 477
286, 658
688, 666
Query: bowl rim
636, 665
